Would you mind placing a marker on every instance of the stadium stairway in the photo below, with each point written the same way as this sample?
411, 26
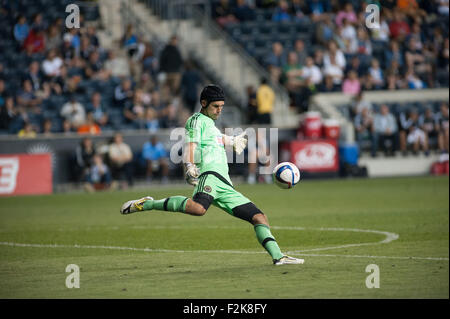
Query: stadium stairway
215, 51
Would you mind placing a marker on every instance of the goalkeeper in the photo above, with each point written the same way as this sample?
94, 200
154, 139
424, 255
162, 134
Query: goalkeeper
206, 168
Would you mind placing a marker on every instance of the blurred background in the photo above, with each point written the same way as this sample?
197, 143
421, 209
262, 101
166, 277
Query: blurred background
92, 108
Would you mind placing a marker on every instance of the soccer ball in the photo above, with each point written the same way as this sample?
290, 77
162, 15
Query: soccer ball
286, 175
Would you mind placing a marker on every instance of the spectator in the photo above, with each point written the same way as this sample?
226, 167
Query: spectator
252, 105
94, 68
442, 119
265, 98
150, 61
66, 127
333, 70
411, 133
411, 8
413, 81
28, 131
393, 82
325, 30
394, 54
416, 61
21, 29
169, 117
443, 7
347, 13
293, 73
99, 176
275, 61
84, 155
257, 152
281, 13
120, 157
130, 41
398, 27
312, 73
299, 49
363, 42
334, 52
47, 128
385, 130
156, 158
123, 93
376, 74
66, 49
355, 65
3, 92
52, 64
190, 83
381, 34
74, 112
328, 84
429, 124
223, 13
113, 65
89, 127
170, 64
91, 33
8, 114
361, 103
243, 12
73, 37
417, 35
53, 37
349, 37
134, 113
34, 75
27, 99
35, 41
38, 22
98, 109
297, 10
318, 9
351, 84
364, 130
151, 120
86, 48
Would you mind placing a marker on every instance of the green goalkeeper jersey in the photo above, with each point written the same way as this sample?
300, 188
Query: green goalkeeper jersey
210, 152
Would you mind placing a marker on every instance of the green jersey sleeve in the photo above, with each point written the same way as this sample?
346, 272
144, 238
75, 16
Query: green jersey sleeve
193, 129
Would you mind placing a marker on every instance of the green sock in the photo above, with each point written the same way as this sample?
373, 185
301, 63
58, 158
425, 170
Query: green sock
267, 240
171, 204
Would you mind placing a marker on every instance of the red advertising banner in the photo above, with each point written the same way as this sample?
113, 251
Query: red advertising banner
23, 174
315, 155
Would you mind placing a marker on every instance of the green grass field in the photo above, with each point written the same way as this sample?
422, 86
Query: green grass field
338, 226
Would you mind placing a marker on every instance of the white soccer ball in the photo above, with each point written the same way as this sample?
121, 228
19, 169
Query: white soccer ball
286, 175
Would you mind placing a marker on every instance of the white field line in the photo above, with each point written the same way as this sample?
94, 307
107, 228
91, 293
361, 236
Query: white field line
388, 238
152, 250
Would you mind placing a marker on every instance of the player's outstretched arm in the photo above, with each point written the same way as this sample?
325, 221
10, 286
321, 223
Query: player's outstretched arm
191, 170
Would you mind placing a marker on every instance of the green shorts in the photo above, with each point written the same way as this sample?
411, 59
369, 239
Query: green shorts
221, 194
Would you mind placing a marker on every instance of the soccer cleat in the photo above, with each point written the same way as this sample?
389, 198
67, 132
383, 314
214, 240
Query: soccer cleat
134, 206
287, 260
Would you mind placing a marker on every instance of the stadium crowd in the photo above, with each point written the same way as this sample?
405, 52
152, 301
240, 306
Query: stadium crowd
314, 46
54, 79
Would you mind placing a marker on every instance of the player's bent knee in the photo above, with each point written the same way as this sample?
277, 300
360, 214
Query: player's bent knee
201, 202
248, 212
260, 219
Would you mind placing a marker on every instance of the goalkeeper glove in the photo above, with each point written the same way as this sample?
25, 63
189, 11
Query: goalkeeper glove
192, 174
239, 142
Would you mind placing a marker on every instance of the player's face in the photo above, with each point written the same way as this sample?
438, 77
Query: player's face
214, 109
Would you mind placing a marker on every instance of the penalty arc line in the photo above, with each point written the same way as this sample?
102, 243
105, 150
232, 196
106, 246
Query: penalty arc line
388, 238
